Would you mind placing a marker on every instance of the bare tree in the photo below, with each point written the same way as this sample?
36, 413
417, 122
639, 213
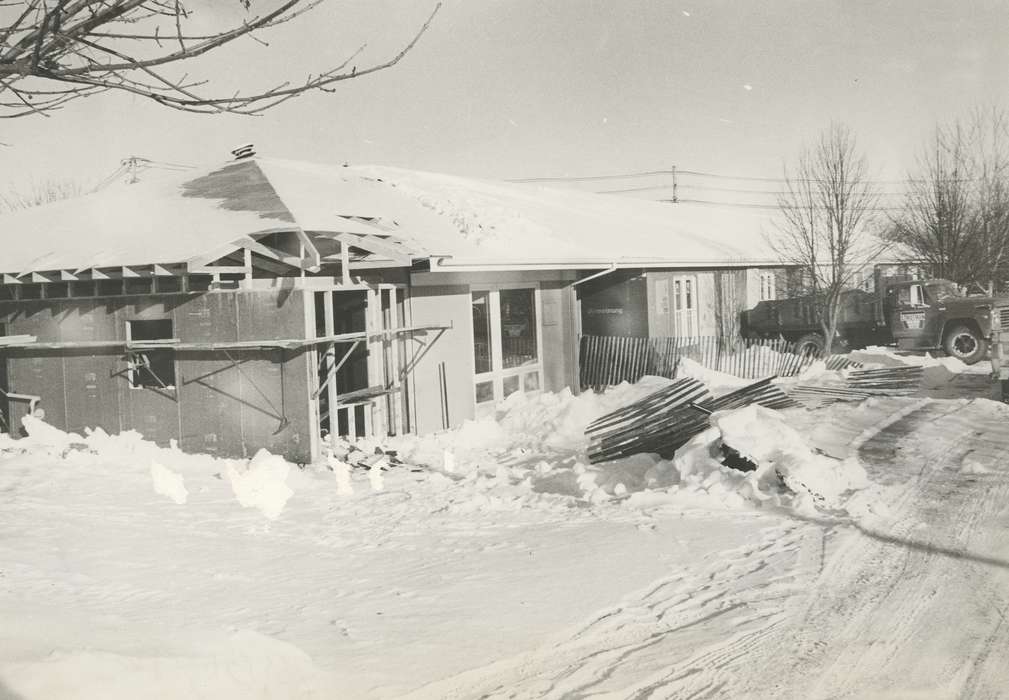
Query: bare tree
825, 216
956, 213
55, 51
936, 223
989, 168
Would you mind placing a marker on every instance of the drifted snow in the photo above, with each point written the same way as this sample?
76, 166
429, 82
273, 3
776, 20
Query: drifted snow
262, 483
168, 483
507, 564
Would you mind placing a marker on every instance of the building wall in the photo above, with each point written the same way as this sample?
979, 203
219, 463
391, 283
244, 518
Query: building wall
226, 406
661, 304
442, 378
720, 297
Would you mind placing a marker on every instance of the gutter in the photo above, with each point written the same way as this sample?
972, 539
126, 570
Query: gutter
611, 268
445, 263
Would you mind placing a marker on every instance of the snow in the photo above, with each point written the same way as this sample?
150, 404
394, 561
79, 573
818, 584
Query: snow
262, 484
497, 560
717, 382
463, 221
888, 357
169, 484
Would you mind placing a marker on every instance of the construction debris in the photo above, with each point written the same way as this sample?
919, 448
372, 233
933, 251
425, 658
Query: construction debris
664, 421
861, 384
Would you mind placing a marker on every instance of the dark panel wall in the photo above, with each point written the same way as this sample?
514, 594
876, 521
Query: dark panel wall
225, 403
615, 304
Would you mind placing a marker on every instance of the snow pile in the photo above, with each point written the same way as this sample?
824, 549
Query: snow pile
787, 471
763, 436
262, 483
537, 447
546, 423
884, 356
169, 484
717, 382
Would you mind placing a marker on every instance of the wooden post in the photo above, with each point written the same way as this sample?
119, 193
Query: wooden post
331, 394
396, 418
345, 263
374, 415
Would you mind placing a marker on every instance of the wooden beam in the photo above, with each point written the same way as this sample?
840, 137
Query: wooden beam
219, 270
374, 244
345, 263
201, 261
315, 260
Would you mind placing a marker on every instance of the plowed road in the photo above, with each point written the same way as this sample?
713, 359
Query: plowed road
911, 604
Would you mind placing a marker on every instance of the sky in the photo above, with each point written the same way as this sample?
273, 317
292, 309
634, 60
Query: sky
526, 88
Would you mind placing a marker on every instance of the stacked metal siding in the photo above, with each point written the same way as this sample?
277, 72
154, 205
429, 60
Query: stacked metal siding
862, 384
664, 421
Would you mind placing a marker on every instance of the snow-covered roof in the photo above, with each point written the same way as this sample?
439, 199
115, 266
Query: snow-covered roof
454, 220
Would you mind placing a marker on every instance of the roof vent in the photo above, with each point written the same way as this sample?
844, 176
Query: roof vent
246, 151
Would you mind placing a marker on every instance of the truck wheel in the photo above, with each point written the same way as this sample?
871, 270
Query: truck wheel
965, 344
810, 344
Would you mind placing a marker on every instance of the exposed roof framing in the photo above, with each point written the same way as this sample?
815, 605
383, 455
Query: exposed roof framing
174, 344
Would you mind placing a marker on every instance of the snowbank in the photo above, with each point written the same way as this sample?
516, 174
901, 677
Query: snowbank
884, 356
717, 382
536, 449
257, 483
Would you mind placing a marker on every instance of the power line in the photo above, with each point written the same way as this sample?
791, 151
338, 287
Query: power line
712, 188
744, 205
674, 172
591, 178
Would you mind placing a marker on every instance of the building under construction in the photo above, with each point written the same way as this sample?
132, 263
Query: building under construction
269, 304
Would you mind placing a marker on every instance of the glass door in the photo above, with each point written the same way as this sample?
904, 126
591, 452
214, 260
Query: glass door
507, 344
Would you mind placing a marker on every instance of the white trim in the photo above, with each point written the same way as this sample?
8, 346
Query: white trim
445, 264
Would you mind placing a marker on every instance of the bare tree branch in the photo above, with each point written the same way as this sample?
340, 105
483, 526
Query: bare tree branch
824, 225
956, 215
56, 51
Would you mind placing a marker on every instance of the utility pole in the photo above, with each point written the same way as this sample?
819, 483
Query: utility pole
675, 197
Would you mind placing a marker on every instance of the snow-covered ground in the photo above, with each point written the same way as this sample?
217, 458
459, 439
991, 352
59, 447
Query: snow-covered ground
863, 558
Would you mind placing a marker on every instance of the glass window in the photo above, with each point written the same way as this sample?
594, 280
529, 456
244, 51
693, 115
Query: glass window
481, 333
509, 385
689, 294
531, 382
484, 392
518, 327
678, 294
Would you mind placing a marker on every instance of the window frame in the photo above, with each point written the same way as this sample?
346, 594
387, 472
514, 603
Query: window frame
498, 374
683, 314
768, 286
139, 359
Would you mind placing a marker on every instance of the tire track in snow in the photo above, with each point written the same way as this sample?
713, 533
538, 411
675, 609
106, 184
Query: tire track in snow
905, 608
660, 641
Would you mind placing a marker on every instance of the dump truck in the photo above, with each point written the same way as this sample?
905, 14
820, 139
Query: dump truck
931, 314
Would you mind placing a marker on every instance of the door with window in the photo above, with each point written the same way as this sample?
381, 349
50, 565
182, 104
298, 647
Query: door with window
684, 293
507, 344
